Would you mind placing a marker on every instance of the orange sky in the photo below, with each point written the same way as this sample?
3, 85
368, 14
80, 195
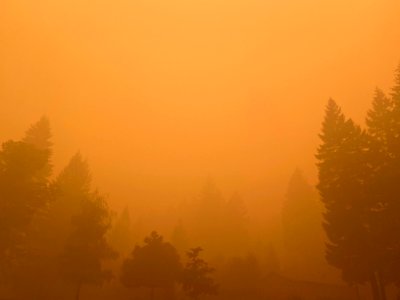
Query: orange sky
161, 94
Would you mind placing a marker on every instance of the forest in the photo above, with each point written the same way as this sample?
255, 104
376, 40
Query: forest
59, 238
199, 150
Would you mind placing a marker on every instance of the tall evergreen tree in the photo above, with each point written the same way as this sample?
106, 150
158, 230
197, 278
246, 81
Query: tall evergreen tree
343, 173
52, 230
71, 188
87, 247
36, 258
23, 193
383, 124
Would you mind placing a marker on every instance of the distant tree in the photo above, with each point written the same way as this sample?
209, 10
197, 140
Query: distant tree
302, 228
235, 226
71, 188
179, 237
121, 233
156, 264
379, 121
74, 179
214, 217
272, 264
86, 247
196, 276
39, 135
209, 220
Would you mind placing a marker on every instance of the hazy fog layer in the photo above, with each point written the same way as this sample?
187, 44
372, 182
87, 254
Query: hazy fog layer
161, 94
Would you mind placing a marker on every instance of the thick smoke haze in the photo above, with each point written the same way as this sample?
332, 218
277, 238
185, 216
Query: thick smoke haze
160, 95
250, 128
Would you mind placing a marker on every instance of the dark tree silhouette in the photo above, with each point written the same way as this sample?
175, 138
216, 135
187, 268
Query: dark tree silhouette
196, 276
87, 248
34, 257
339, 185
23, 192
156, 264
342, 170
383, 124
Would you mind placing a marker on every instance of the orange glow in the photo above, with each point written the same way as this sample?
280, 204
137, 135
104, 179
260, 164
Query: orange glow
160, 95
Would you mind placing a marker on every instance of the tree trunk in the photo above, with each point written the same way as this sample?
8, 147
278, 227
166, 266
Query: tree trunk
78, 291
374, 287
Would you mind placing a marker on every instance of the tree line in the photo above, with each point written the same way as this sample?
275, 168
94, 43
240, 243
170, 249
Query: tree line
359, 176
59, 236
57, 233
58, 228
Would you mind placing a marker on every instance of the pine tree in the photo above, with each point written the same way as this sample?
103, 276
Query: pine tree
39, 135
196, 277
179, 237
383, 124
74, 179
23, 193
396, 87
302, 229
343, 172
87, 247
71, 188
379, 119
35, 257
51, 231
236, 238
121, 234
156, 264
209, 219
394, 143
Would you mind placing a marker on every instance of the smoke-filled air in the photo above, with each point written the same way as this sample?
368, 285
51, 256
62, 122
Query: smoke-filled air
199, 150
